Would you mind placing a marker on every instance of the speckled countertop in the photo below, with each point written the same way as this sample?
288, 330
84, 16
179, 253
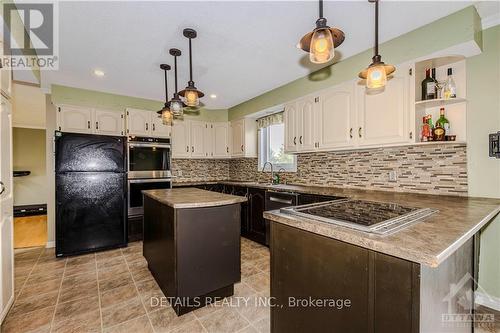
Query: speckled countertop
192, 198
428, 242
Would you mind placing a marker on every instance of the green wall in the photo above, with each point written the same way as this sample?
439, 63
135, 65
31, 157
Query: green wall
91, 98
451, 30
483, 117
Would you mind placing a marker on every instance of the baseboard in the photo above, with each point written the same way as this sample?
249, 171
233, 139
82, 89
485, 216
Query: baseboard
50, 244
486, 300
7, 307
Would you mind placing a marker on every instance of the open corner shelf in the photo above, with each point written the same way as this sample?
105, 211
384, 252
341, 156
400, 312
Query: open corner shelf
430, 103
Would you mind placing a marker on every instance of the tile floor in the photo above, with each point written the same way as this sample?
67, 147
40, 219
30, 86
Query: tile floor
112, 291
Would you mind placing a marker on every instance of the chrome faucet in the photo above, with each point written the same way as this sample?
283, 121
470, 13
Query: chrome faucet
279, 177
272, 171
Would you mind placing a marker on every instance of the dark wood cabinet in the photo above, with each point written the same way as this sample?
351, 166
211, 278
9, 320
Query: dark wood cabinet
135, 226
256, 221
306, 198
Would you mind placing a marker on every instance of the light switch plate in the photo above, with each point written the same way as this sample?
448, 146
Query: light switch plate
393, 176
495, 145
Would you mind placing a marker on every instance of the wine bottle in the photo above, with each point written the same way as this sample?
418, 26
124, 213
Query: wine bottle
443, 122
428, 86
450, 89
436, 83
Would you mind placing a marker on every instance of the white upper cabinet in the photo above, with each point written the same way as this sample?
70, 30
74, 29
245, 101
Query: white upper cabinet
208, 140
290, 121
197, 137
335, 123
237, 133
6, 77
181, 147
383, 117
75, 119
221, 136
108, 122
244, 138
158, 129
138, 122
306, 124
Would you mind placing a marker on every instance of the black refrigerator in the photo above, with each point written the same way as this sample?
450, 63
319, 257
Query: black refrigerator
91, 193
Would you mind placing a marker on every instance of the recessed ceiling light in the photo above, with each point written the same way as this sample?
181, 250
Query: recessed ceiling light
98, 72
213, 96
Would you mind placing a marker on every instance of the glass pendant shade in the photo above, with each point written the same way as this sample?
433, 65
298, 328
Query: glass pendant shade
176, 107
191, 97
376, 77
321, 49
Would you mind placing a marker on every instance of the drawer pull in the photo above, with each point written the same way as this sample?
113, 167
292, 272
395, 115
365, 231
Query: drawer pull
274, 199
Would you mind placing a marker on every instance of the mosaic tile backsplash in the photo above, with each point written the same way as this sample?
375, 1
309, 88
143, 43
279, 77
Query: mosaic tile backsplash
433, 169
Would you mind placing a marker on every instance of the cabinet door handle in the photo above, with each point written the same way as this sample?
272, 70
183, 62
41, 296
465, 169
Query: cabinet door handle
295, 140
187, 149
192, 149
96, 125
154, 127
88, 124
359, 131
147, 127
411, 135
2, 187
242, 148
227, 149
300, 139
287, 202
350, 133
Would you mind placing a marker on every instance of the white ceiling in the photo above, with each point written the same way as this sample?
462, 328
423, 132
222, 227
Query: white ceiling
243, 49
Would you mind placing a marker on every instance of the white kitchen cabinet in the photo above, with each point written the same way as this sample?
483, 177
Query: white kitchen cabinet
208, 140
221, 134
382, 118
158, 129
244, 138
197, 135
75, 119
336, 117
107, 122
181, 147
307, 115
6, 76
138, 122
290, 121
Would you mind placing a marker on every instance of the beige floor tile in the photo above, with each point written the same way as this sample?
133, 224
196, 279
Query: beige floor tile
43, 287
137, 325
89, 322
68, 310
263, 325
147, 286
248, 329
73, 281
119, 280
132, 257
80, 269
108, 273
118, 295
227, 320
209, 309
35, 320
46, 268
260, 282
106, 255
255, 309
81, 290
131, 249
34, 303
121, 312
81, 260
43, 277
263, 265
22, 272
193, 326
243, 290
249, 269
107, 263
141, 274
165, 319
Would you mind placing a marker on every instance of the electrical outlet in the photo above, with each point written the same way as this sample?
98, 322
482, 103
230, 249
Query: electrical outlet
179, 173
393, 176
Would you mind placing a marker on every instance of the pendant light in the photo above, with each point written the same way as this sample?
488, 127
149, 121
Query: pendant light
190, 93
377, 72
176, 105
322, 41
166, 114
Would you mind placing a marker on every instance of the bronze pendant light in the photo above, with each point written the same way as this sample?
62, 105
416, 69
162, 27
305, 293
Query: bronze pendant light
322, 41
190, 93
166, 114
377, 72
176, 105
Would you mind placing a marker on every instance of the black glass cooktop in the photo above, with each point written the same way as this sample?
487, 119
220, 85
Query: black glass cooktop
365, 213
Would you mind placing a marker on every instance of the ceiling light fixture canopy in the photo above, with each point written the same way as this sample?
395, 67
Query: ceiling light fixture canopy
322, 41
166, 114
176, 105
191, 94
377, 72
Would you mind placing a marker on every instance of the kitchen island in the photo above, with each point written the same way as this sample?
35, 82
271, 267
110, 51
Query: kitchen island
192, 244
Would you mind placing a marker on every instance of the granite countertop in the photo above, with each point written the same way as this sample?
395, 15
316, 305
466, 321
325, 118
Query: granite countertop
429, 242
192, 198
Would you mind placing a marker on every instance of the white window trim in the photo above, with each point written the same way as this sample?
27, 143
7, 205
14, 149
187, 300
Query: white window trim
263, 143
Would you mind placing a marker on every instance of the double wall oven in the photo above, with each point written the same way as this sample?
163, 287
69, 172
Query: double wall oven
149, 161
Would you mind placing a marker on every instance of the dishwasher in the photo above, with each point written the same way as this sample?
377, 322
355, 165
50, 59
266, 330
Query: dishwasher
277, 200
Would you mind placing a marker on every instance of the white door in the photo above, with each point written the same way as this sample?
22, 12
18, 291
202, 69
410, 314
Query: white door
336, 115
221, 140
306, 124
208, 140
109, 122
74, 119
383, 117
181, 147
158, 129
6, 210
138, 122
290, 121
238, 134
197, 137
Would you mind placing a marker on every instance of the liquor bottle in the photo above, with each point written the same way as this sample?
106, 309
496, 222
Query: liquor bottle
426, 130
428, 86
431, 128
443, 122
450, 89
438, 133
436, 83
